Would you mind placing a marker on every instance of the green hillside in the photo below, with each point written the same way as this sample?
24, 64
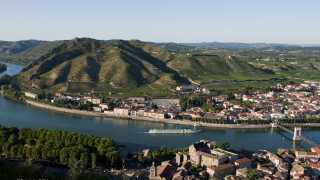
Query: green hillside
134, 67
107, 64
204, 68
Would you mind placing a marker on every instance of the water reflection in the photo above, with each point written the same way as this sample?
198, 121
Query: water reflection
12, 69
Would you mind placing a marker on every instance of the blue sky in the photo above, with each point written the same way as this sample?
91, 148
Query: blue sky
282, 21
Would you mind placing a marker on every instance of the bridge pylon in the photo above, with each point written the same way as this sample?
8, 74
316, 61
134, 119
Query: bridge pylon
297, 133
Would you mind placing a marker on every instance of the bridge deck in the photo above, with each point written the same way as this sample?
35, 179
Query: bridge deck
302, 137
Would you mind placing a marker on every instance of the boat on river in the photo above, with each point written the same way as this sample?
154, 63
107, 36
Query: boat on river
173, 131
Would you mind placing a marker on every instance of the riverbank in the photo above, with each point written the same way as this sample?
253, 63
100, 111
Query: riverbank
131, 134
308, 125
166, 121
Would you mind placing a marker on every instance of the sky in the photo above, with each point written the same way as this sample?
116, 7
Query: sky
271, 21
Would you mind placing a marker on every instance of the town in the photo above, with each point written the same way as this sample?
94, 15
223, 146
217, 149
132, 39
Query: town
204, 160
295, 102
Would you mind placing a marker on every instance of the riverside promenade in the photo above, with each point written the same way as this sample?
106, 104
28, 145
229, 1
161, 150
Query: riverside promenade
139, 118
167, 121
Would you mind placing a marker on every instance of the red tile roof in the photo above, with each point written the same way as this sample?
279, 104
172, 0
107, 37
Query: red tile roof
243, 161
316, 150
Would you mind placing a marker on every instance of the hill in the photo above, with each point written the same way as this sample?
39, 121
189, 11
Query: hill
134, 67
101, 65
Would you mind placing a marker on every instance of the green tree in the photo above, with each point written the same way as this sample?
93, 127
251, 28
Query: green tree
253, 174
93, 160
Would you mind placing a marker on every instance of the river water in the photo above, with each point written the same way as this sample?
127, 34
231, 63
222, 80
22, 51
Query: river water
132, 133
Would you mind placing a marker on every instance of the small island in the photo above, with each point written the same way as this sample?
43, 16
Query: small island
3, 67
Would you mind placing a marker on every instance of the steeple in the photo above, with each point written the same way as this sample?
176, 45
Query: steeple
153, 170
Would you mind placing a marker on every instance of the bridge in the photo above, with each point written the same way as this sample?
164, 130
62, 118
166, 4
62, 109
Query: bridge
297, 134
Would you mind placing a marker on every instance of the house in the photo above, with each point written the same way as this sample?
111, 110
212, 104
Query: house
207, 159
155, 115
97, 109
306, 155
104, 107
221, 152
314, 164
242, 172
231, 177
221, 171
31, 95
136, 102
181, 175
266, 169
179, 158
283, 167
260, 154
276, 116
192, 115
166, 103
182, 158
243, 163
95, 101
205, 91
146, 152
109, 113
205, 154
163, 172
275, 159
136, 99
297, 171
187, 88
122, 112
280, 175
316, 150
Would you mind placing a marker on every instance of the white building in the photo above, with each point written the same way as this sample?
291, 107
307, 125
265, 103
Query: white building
95, 101
277, 116
123, 112
155, 115
104, 107
30, 95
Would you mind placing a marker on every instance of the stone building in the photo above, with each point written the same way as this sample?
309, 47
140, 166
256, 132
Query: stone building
163, 172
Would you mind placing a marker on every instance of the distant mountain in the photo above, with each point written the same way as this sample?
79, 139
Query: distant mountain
7, 47
237, 46
23, 52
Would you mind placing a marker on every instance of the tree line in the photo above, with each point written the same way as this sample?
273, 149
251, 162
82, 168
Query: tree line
223, 121
74, 150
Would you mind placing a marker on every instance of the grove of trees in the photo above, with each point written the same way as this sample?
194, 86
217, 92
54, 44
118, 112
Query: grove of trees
74, 150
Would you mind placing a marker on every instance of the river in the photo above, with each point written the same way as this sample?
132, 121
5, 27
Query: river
132, 133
